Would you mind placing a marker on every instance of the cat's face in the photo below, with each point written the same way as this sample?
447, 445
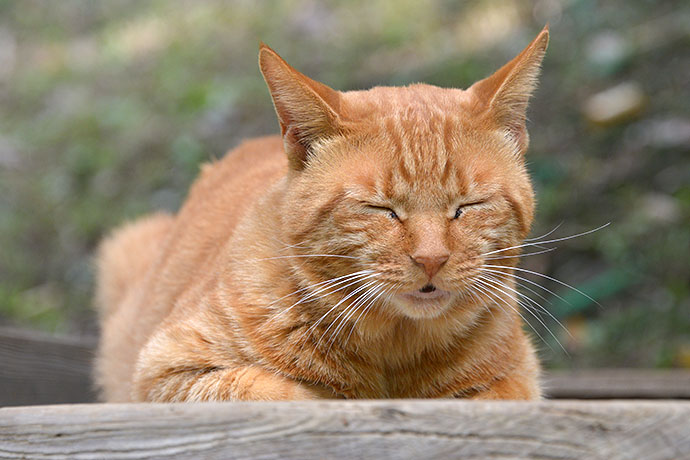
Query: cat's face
418, 209
410, 187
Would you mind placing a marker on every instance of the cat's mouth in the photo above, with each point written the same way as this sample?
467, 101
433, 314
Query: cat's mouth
426, 302
428, 288
428, 292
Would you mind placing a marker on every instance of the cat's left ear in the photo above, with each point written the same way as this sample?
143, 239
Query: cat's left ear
308, 111
504, 95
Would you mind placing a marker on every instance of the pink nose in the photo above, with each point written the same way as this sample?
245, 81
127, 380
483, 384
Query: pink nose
431, 263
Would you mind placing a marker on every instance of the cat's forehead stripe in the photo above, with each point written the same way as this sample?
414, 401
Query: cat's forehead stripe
423, 146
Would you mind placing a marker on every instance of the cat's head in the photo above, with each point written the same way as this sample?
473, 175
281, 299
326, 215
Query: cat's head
409, 187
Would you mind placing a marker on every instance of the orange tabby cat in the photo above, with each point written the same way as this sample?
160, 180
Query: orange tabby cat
342, 259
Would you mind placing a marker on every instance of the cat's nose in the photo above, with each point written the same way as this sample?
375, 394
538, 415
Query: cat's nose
431, 263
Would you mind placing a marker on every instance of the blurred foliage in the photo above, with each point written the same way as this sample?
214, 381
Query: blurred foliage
108, 108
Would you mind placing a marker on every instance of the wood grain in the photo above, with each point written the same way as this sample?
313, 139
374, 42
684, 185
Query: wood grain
41, 369
618, 384
352, 429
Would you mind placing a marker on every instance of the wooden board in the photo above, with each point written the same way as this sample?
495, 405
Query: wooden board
618, 383
352, 430
41, 369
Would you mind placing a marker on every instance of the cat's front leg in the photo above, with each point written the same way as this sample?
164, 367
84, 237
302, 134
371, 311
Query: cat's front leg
514, 386
192, 361
248, 383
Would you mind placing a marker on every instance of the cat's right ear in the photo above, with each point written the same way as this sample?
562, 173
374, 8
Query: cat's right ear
504, 95
308, 111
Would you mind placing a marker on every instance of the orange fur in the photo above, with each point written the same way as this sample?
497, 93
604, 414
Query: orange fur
339, 260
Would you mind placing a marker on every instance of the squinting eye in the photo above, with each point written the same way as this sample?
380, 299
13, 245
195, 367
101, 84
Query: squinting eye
389, 212
460, 210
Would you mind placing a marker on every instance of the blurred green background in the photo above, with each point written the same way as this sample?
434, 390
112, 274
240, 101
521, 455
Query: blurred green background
107, 109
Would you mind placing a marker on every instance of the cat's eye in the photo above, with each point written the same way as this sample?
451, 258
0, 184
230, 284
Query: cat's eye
392, 214
461, 208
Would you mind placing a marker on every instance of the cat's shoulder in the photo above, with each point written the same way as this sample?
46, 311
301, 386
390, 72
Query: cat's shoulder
263, 155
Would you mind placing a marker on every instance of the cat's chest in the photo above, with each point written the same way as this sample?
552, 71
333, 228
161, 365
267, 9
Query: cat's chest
399, 375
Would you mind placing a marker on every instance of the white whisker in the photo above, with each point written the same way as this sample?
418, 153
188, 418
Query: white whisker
351, 311
513, 275
319, 284
349, 282
546, 242
548, 278
530, 300
544, 251
313, 326
287, 246
368, 307
488, 290
536, 238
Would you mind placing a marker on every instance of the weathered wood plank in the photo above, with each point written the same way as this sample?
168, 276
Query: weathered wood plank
608, 430
41, 369
618, 384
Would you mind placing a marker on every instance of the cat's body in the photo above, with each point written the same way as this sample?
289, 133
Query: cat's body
338, 260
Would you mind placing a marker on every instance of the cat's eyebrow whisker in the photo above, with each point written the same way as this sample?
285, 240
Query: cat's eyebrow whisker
537, 238
544, 251
524, 245
548, 278
537, 305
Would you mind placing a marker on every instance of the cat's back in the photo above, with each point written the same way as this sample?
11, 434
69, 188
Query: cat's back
175, 257
227, 187
217, 201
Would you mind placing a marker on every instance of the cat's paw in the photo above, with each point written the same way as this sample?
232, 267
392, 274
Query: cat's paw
309, 391
254, 383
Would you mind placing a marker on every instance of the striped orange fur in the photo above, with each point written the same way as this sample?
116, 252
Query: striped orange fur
338, 260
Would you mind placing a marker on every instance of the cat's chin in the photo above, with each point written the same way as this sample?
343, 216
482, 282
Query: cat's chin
419, 304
